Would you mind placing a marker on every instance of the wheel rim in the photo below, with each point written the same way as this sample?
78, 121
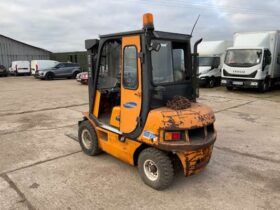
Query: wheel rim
49, 76
86, 139
151, 170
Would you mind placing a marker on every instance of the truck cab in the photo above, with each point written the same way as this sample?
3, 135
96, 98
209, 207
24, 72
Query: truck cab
209, 72
211, 58
246, 67
253, 61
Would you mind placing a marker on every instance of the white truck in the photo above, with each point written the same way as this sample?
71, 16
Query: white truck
253, 61
37, 65
20, 67
211, 57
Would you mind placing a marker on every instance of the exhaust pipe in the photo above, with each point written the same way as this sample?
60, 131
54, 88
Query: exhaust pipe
195, 68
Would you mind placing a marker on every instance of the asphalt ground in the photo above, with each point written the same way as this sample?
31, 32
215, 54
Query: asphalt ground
43, 167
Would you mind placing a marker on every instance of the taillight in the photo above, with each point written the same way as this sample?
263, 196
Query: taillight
36, 67
174, 135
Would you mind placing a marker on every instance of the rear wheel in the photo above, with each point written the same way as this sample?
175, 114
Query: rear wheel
155, 168
88, 139
49, 76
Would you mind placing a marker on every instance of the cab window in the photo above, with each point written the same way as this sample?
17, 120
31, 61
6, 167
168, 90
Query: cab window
130, 78
61, 65
109, 67
168, 64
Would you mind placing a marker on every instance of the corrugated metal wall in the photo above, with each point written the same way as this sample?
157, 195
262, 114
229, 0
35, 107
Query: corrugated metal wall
11, 50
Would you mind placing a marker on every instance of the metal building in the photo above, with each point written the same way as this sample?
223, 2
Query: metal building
13, 50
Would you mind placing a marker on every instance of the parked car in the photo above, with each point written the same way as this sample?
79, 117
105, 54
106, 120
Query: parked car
37, 65
20, 67
82, 78
61, 70
3, 71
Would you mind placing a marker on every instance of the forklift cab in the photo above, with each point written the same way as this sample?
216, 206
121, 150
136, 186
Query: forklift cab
132, 77
134, 72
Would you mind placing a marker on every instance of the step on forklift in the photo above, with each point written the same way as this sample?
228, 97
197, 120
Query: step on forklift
142, 104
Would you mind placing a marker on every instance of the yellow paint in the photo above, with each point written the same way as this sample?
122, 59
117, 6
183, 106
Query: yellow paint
121, 150
96, 104
113, 146
129, 116
115, 117
164, 118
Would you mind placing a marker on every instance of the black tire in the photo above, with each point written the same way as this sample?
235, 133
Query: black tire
49, 76
88, 139
229, 88
264, 87
154, 159
75, 75
211, 82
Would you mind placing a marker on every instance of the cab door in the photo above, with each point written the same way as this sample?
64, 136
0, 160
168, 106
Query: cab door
131, 87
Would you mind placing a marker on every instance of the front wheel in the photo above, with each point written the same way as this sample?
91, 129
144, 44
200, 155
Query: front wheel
264, 87
211, 82
49, 76
229, 88
88, 139
155, 168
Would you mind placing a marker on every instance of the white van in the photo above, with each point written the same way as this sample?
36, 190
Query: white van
20, 67
211, 58
37, 65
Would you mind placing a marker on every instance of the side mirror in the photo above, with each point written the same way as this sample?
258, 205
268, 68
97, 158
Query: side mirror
267, 57
268, 60
155, 46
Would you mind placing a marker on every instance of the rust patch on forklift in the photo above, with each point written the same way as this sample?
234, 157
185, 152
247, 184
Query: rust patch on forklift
205, 118
195, 161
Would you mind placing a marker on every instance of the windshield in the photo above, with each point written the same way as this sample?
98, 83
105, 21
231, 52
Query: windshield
243, 57
169, 62
207, 61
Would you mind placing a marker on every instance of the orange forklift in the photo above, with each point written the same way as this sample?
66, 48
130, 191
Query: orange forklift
142, 104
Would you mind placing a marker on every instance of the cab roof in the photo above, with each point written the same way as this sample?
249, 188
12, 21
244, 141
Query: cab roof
157, 34
90, 43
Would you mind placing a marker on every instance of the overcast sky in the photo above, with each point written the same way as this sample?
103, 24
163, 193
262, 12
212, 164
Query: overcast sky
63, 25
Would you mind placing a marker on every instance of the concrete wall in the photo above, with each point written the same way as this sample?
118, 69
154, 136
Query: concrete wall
12, 50
74, 57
